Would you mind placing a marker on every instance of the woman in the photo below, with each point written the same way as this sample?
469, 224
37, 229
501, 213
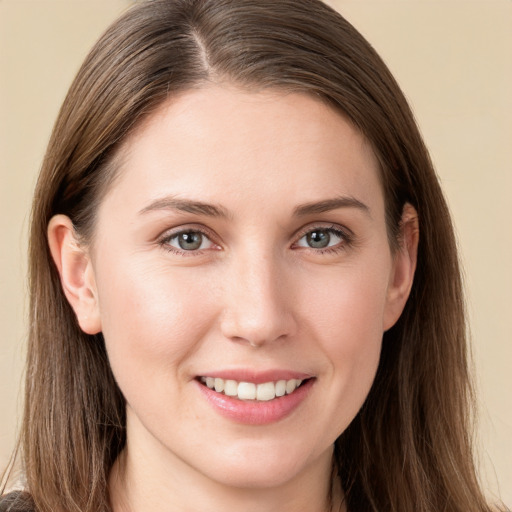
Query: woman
245, 287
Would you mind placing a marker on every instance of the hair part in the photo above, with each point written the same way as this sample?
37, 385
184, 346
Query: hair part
409, 448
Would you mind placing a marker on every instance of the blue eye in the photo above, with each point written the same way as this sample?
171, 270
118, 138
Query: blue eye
322, 238
189, 241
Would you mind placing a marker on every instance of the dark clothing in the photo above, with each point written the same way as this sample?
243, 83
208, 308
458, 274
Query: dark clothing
17, 501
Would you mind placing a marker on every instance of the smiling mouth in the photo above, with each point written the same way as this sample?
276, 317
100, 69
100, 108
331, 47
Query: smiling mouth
263, 392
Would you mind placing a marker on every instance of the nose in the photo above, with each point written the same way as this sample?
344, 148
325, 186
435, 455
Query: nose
258, 302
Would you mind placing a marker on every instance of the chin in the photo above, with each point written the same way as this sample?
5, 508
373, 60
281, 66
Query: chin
261, 467
253, 477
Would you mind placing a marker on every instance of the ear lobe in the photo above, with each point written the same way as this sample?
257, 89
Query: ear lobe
404, 266
76, 273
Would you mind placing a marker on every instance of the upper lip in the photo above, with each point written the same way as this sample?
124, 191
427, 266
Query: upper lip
256, 376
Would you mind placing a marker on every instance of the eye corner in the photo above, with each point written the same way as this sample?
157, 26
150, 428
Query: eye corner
325, 234
188, 241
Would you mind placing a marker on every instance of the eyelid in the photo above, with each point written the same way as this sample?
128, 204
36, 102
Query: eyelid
346, 234
168, 234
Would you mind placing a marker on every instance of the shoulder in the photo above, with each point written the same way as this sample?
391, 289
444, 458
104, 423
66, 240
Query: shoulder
17, 501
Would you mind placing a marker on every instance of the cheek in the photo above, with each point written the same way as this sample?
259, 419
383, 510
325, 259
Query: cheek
349, 306
149, 318
346, 319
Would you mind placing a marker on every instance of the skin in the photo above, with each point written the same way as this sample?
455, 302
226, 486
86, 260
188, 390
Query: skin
255, 295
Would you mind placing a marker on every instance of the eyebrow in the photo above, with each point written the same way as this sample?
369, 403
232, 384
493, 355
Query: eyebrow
186, 205
330, 204
211, 210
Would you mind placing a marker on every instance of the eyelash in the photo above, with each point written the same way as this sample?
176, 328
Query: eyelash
165, 240
345, 243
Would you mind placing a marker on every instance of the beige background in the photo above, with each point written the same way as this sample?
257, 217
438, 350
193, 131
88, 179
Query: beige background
453, 59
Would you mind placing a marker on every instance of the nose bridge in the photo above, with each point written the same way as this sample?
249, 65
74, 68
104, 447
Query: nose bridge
257, 305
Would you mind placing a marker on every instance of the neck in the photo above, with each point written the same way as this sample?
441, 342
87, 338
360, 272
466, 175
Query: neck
137, 486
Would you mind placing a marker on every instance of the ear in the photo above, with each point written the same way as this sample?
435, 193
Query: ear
76, 272
404, 266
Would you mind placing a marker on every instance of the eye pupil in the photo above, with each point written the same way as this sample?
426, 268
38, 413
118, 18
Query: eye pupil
190, 240
318, 239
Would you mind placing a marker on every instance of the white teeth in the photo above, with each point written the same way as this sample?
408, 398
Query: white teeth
246, 391
291, 385
231, 387
219, 385
250, 391
280, 388
266, 391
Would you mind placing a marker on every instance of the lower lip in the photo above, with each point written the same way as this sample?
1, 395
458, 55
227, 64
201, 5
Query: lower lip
253, 412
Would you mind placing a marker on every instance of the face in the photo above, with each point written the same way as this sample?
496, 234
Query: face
244, 241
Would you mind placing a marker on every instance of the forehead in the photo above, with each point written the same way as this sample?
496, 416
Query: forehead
223, 142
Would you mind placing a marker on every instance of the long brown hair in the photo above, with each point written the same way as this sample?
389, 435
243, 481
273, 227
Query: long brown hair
409, 448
